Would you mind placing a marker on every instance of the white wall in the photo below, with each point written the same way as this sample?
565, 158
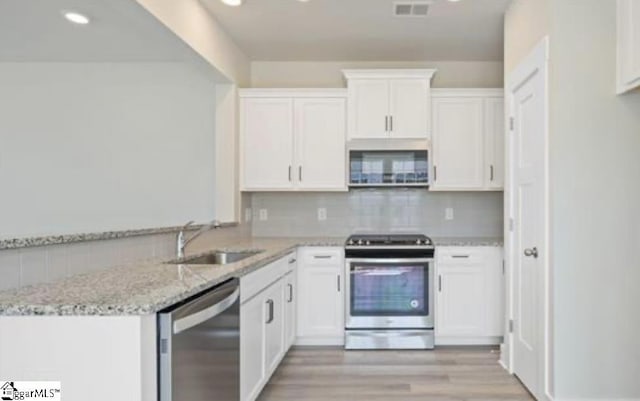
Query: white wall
526, 23
192, 23
451, 74
90, 147
595, 187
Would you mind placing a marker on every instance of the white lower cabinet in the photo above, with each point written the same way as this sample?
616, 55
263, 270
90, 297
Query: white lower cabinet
265, 319
320, 296
469, 295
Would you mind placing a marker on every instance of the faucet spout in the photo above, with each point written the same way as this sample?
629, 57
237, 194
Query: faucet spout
182, 242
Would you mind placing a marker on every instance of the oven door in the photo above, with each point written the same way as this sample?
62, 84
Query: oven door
389, 293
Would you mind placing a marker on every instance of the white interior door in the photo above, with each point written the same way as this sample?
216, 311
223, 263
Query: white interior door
528, 108
320, 143
409, 108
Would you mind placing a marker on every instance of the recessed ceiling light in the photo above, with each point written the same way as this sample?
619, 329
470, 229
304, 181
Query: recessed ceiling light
76, 18
454, 1
233, 3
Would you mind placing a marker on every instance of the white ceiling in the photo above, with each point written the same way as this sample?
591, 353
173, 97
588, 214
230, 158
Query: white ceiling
363, 30
121, 30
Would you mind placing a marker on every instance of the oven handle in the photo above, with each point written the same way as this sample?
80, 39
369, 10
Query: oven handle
388, 260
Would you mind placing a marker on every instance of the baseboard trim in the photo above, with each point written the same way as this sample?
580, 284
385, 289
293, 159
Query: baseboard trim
319, 341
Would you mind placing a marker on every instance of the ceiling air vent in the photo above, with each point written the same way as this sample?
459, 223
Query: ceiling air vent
411, 8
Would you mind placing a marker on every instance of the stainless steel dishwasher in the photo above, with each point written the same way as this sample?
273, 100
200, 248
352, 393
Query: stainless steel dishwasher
199, 347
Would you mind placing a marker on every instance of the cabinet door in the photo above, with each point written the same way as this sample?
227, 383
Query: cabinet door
291, 297
321, 301
267, 143
320, 137
461, 310
496, 288
628, 45
274, 326
368, 108
252, 336
494, 142
458, 143
409, 108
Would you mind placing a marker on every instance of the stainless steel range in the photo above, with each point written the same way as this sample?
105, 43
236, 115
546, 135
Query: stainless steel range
390, 292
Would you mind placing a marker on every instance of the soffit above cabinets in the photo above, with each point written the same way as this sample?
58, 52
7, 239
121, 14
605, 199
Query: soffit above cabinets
364, 30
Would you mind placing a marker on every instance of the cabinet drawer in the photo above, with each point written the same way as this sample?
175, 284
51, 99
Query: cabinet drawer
460, 255
320, 256
254, 282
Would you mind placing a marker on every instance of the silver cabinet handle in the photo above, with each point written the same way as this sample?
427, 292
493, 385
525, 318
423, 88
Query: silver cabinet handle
299, 173
338, 283
292, 261
439, 283
289, 173
322, 256
390, 123
386, 123
435, 173
531, 252
270, 318
491, 173
290, 293
460, 256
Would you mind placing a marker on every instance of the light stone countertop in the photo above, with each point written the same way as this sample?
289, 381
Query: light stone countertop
146, 288
150, 287
467, 241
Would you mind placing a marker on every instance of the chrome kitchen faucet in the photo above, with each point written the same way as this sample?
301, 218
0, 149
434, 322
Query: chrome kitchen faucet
181, 242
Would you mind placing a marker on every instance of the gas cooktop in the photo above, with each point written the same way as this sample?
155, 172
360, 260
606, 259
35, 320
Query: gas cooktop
388, 240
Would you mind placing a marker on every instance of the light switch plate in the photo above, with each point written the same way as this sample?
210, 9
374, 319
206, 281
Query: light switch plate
448, 213
322, 214
263, 215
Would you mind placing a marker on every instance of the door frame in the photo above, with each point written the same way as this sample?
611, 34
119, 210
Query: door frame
536, 61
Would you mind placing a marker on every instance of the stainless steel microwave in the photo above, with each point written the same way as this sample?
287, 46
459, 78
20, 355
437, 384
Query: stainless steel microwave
388, 168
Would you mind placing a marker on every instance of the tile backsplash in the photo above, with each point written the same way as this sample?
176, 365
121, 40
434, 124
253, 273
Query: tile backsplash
477, 214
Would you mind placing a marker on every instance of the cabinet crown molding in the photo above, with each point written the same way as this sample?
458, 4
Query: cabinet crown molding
389, 73
467, 92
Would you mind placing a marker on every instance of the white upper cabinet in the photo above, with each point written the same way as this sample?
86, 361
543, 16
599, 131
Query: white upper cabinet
458, 156
293, 140
368, 108
409, 108
267, 143
388, 103
320, 143
628, 45
494, 131
467, 140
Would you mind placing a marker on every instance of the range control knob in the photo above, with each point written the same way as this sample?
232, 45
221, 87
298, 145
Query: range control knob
360, 242
418, 242
350, 242
368, 243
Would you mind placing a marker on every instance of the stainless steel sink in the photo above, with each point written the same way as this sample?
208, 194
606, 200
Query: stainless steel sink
217, 258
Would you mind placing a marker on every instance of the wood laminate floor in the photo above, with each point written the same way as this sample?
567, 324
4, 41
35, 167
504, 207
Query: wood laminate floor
447, 374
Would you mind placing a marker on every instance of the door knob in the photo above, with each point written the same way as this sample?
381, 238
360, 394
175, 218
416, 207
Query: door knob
531, 252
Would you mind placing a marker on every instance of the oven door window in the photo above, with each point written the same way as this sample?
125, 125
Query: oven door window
384, 289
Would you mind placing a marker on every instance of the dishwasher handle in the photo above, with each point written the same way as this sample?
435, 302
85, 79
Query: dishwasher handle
203, 315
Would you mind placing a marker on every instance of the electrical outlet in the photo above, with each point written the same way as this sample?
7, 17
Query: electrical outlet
263, 215
322, 214
247, 214
448, 213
